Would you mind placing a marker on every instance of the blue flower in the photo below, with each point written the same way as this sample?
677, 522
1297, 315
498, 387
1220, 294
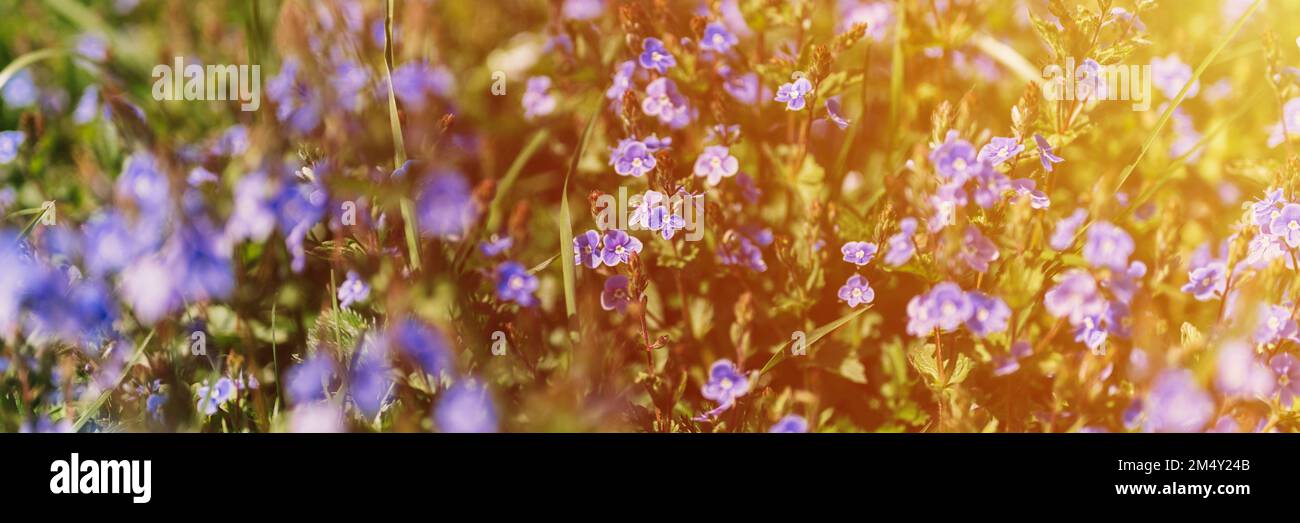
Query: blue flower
618, 247
901, 247
514, 283
951, 306
495, 245
353, 290
718, 38
414, 82
446, 207
466, 408
615, 295
1063, 233
977, 251
1177, 403
858, 253
1276, 325
743, 87
794, 94
990, 314
856, 291
655, 56
1075, 297
1207, 282
738, 249
835, 113
586, 249
622, 81
1107, 246
370, 381
309, 380
150, 286
725, 384
1286, 225
422, 344
715, 163
955, 160
20, 92
632, 158
144, 185
87, 106
1000, 150
9, 143
298, 207
1045, 154
790, 424
537, 101
297, 104
663, 101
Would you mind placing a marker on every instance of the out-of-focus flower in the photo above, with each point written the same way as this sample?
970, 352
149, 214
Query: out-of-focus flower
1286, 225
20, 92
615, 295
308, 381
583, 9
955, 160
422, 344
858, 253
1177, 403
316, 418
621, 82
10, 141
999, 150
794, 94
655, 56
1074, 297
1287, 369
211, 398
1275, 325
514, 283
466, 408
370, 379
618, 247
632, 158
977, 251
537, 99
1169, 74
1107, 246
835, 113
495, 245
716, 163
1290, 124
1238, 372
663, 101
1010, 363
856, 291
352, 290
586, 249
717, 38
1063, 234
990, 314
901, 247
1207, 282
446, 208
790, 424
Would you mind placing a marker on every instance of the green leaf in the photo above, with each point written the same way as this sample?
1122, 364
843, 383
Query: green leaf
960, 370
819, 333
508, 181
701, 311
565, 226
853, 370
922, 359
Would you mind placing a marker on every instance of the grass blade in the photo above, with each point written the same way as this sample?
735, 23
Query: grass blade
565, 225
507, 181
103, 396
812, 338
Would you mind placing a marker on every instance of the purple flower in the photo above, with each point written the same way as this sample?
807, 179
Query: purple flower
990, 314
298, 104
858, 253
9, 143
1074, 297
835, 113
1276, 325
1286, 225
977, 251
586, 249
744, 88
738, 249
466, 408
794, 94
857, 291
955, 159
144, 185
715, 163
1169, 74
951, 306
1000, 150
621, 83
445, 206
424, 345
370, 380
1207, 282
1010, 363
87, 106
655, 56
353, 290
921, 316
583, 9
1107, 246
1287, 369
790, 424
619, 247
1045, 154
1177, 403
1290, 124
615, 295
717, 38
537, 101
514, 283
1268, 208
726, 383
20, 92
901, 247
495, 245
632, 158
414, 82
1027, 187
1063, 234
663, 101
1237, 372
150, 286
309, 381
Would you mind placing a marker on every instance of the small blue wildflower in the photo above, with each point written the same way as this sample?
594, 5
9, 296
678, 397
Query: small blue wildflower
586, 249
654, 56
632, 158
794, 94
622, 81
955, 160
835, 113
514, 283
445, 206
726, 383
466, 408
901, 247
977, 250
1045, 154
536, 100
1107, 246
20, 92
663, 101
1063, 233
353, 290
308, 381
989, 316
715, 163
618, 247
1075, 297
9, 144
1286, 225
1000, 150
858, 253
1275, 325
790, 424
495, 245
615, 295
857, 291
718, 38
